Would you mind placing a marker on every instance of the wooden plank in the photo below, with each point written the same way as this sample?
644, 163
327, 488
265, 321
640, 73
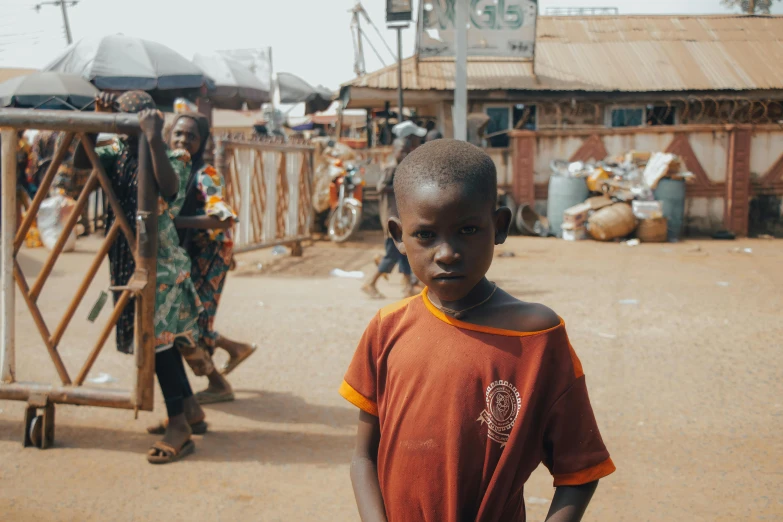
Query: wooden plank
146, 266
70, 121
7, 350
80, 396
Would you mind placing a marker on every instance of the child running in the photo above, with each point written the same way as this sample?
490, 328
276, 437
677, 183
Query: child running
464, 389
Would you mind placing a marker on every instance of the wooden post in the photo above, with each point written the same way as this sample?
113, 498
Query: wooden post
737, 199
146, 266
245, 190
8, 174
523, 162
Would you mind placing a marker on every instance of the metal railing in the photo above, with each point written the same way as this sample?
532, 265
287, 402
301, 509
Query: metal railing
140, 235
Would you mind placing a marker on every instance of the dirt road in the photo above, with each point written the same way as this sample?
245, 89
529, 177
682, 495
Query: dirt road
681, 345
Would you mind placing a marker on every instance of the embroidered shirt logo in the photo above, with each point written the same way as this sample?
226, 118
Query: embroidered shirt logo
503, 403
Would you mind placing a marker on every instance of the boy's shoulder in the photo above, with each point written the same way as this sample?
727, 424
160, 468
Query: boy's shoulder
397, 308
531, 317
508, 313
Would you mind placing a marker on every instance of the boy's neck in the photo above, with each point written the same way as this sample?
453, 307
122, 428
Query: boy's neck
477, 294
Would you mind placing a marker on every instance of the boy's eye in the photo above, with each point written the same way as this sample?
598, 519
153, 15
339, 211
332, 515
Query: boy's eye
424, 235
469, 230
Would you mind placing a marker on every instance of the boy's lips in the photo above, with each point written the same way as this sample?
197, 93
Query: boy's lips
449, 276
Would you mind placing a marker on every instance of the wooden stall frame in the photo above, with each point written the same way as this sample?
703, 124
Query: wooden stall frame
141, 234
246, 190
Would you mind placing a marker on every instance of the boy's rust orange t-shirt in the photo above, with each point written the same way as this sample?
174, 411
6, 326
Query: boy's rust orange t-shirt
468, 412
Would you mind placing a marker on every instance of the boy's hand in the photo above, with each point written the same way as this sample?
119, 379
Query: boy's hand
151, 123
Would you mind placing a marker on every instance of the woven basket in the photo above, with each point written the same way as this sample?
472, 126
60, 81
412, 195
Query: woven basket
652, 230
612, 222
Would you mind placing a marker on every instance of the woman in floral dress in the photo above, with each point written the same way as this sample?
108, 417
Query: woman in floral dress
177, 305
205, 232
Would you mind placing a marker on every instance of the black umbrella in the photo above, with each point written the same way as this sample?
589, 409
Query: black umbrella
47, 90
294, 89
124, 63
234, 84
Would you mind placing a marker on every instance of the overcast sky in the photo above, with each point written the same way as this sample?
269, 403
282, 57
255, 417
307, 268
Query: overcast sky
310, 38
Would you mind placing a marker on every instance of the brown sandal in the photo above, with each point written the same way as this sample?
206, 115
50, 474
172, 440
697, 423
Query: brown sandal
232, 363
198, 428
164, 453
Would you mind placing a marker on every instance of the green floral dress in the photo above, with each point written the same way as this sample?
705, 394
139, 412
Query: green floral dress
177, 305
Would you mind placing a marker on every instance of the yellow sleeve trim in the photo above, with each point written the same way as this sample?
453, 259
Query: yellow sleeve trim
357, 399
390, 309
586, 476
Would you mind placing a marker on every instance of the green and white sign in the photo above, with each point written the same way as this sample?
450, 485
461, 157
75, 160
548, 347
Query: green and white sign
495, 28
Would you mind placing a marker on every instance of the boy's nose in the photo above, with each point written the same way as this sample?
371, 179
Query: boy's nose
447, 254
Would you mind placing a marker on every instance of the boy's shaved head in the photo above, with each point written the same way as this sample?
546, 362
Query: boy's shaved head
447, 162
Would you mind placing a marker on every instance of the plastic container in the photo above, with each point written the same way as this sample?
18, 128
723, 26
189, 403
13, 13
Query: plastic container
612, 222
647, 209
652, 230
564, 193
671, 192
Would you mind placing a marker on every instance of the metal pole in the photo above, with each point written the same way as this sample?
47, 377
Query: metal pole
399, 72
146, 265
460, 115
7, 363
68, 37
272, 92
361, 68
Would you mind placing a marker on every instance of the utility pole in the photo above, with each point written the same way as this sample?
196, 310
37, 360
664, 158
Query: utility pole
399, 70
63, 4
398, 16
460, 115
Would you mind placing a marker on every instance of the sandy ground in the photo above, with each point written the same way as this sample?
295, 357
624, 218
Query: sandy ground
681, 345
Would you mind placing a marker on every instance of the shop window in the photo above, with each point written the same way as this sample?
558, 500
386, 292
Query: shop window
627, 117
507, 118
649, 115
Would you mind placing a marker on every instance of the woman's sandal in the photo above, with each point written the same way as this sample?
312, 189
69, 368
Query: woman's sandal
208, 397
164, 453
198, 428
232, 363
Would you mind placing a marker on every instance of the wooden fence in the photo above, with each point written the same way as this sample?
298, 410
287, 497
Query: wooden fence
270, 186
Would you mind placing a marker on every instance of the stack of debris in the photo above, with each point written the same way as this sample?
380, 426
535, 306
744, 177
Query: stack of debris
622, 198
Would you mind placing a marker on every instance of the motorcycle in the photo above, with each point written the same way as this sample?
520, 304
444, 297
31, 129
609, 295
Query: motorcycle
345, 200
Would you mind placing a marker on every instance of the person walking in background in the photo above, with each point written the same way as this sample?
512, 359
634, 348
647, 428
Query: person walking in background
408, 138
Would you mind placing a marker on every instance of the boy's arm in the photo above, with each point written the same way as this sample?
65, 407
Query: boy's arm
364, 470
202, 222
570, 502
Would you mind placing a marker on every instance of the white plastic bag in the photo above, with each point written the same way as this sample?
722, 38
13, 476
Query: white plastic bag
52, 216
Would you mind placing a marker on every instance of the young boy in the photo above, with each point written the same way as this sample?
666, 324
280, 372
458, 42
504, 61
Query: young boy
464, 389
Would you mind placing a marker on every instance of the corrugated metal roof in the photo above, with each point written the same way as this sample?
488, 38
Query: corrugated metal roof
620, 53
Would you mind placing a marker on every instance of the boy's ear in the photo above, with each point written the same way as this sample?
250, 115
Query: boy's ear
502, 223
395, 229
